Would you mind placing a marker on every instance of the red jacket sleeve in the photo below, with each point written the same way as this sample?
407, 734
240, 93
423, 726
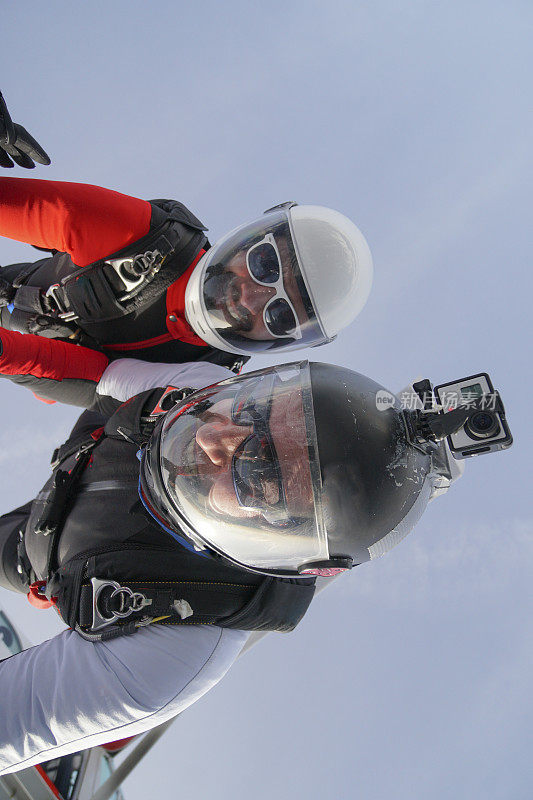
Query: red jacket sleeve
52, 369
85, 221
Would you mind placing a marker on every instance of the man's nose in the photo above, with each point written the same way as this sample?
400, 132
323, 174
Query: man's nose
255, 295
219, 439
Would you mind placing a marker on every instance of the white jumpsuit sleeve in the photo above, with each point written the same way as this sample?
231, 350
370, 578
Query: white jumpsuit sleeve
69, 694
127, 377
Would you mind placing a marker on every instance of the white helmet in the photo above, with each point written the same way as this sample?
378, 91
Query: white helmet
293, 278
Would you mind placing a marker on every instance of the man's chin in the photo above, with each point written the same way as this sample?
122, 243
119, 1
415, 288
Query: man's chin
238, 324
222, 296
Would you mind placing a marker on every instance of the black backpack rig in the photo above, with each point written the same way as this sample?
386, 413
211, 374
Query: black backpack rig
142, 576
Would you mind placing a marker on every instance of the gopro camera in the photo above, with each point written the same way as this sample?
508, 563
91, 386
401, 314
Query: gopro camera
478, 407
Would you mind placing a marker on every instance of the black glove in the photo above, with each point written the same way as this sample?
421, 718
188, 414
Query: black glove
17, 144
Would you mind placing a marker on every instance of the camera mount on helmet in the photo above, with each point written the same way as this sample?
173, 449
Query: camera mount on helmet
468, 413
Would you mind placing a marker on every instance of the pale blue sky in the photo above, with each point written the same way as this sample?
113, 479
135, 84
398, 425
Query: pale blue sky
410, 677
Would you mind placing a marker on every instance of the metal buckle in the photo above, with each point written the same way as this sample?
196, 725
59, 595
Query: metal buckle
62, 312
136, 600
144, 265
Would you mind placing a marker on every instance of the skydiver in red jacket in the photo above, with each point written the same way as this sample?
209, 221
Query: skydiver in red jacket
136, 278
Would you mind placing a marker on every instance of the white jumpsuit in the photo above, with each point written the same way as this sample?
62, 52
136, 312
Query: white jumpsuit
68, 694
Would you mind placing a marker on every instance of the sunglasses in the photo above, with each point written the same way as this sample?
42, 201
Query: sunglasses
256, 473
264, 266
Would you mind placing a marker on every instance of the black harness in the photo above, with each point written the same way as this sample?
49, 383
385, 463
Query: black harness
127, 281
140, 576
117, 300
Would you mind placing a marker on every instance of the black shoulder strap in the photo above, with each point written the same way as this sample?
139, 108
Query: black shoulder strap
177, 211
57, 504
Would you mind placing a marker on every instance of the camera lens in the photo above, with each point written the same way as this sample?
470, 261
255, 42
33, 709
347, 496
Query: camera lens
482, 425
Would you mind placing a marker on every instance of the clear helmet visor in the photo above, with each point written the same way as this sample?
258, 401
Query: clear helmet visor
249, 292
235, 466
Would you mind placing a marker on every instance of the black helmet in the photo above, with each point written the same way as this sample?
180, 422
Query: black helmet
291, 470
375, 483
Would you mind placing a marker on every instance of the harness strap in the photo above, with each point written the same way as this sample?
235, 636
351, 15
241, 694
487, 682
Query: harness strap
70, 448
31, 300
56, 505
112, 288
111, 609
27, 271
104, 603
127, 281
